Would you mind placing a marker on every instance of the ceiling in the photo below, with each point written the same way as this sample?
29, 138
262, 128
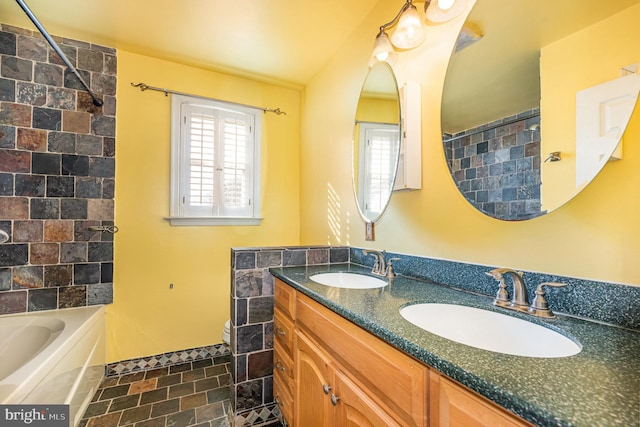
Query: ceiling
279, 40
289, 41
499, 75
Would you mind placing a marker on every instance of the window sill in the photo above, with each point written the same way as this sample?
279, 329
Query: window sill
208, 220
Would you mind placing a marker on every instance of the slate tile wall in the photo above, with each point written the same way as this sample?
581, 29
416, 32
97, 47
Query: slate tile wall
57, 173
497, 167
251, 334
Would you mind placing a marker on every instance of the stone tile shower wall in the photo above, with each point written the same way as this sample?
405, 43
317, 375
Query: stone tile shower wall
57, 164
252, 324
498, 170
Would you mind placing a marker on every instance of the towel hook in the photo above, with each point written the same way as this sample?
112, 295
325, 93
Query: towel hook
554, 156
111, 229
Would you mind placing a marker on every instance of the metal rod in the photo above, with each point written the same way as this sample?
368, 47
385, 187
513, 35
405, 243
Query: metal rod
404, 7
508, 122
96, 101
144, 86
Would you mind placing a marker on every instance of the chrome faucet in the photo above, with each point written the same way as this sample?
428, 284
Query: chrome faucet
519, 295
381, 266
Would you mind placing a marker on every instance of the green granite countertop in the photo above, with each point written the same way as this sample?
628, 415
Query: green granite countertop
600, 386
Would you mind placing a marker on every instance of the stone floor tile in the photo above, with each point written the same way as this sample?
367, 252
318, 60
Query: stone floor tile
193, 375
158, 372
218, 394
165, 407
131, 378
116, 391
182, 418
124, 402
207, 384
193, 401
180, 368
97, 408
144, 385
153, 422
108, 420
213, 371
183, 389
209, 412
193, 394
154, 396
201, 363
133, 415
168, 380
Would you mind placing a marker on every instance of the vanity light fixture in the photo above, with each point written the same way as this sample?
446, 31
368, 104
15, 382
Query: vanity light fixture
409, 33
439, 11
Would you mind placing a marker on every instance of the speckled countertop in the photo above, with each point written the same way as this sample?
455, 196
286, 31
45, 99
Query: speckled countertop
600, 386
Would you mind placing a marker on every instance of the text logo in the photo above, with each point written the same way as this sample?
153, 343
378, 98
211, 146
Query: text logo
34, 415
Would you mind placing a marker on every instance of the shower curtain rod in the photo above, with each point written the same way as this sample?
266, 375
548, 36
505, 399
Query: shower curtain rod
96, 101
144, 86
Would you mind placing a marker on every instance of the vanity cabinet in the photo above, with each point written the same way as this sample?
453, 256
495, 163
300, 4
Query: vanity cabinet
342, 375
330, 372
283, 332
451, 404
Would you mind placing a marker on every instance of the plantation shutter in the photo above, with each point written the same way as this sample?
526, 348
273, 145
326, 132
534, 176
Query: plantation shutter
380, 168
218, 155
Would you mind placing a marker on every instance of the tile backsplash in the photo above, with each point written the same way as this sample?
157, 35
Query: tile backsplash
252, 306
496, 166
57, 173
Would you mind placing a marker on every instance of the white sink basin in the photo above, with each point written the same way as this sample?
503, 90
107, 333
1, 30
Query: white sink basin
489, 330
348, 280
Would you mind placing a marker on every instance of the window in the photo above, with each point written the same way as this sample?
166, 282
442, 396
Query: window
377, 155
215, 163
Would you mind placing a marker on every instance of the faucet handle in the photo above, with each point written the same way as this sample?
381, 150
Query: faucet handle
390, 272
496, 273
539, 305
378, 260
502, 296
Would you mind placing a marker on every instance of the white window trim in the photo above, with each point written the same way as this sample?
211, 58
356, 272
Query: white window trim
175, 218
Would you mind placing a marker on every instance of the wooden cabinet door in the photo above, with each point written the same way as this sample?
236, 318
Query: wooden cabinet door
353, 408
452, 405
314, 375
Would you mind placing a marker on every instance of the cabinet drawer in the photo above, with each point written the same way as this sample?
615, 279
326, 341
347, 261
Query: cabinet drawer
283, 369
284, 400
285, 298
283, 332
395, 380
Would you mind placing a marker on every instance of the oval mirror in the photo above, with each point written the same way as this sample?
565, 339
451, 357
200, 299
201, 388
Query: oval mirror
514, 135
376, 141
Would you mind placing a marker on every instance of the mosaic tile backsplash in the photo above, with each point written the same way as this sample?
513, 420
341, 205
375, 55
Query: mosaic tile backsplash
57, 170
497, 167
156, 361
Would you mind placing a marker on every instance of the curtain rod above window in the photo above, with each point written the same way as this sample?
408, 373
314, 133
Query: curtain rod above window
144, 86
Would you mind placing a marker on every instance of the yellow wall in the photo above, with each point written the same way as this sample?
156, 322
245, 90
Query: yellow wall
596, 235
598, 52
147, 317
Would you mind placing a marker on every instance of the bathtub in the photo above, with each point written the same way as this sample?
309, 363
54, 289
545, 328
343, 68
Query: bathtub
52, 357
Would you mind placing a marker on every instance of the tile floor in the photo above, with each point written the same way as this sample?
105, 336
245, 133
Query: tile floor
189, 394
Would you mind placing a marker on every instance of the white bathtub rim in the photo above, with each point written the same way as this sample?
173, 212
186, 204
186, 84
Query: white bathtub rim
78, 321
